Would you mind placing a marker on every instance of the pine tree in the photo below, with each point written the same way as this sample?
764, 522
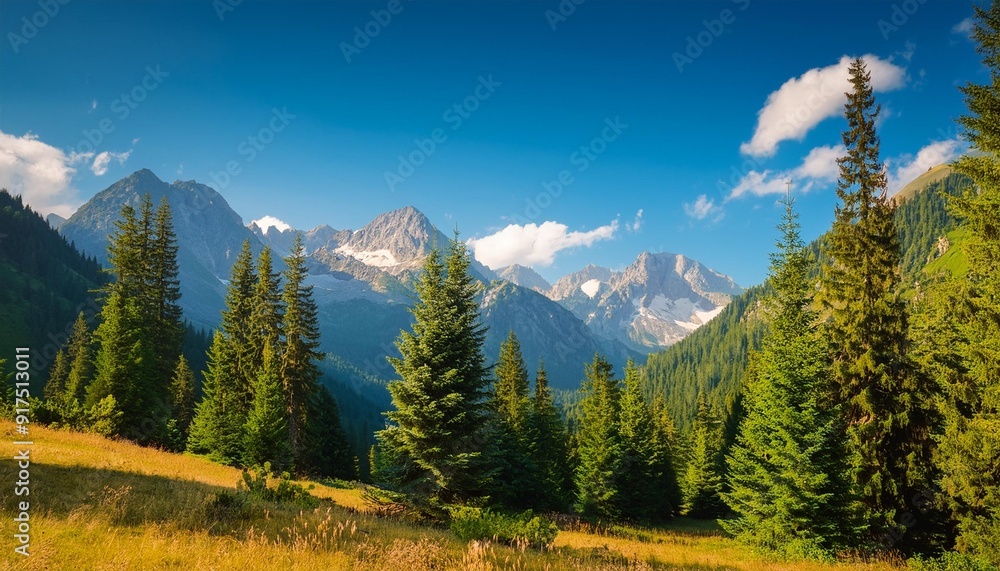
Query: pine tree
55, 386
326, 451
511, 386
266, 431
549, 448
217, 426
886, 406
600, 446
237, 328
636, 484
702, 483
299, 357
960, 338
437, 437
266, 315
788, 478
666, 499
141, 334
165, 326
80, 358
182, 398
120, 366
517, 481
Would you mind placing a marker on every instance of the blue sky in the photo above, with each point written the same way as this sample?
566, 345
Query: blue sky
693, 113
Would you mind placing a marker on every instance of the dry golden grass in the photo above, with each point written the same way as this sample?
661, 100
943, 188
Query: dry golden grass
102, 504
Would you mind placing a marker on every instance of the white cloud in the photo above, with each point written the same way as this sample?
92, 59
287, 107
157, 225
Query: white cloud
802, 102
534, 244
270, 221
702, 208
818, 167
93, 105
103, 159
902, 170
40, 173
964, 27
636, 225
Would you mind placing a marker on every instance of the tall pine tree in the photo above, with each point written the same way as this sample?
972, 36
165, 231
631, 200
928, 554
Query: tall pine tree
517, 482
702, 481
787, 475
437, 438
600, 445
637, 487
549, 449
266, 431
300, 353
886, 405
959, 340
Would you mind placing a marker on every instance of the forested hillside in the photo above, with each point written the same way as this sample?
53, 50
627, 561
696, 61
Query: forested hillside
46, 282
712, 360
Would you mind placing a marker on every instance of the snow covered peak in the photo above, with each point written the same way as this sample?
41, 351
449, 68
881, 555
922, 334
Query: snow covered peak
267, 222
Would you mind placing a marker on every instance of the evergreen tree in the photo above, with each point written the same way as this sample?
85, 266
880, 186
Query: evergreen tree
165, 327
299, 371
885, 403
80, 358
702, 483
787, 471
549, 448
181, 401
141, 334
121, 366
600, 446
266, 432
437, 438
55, 386
238, 332
326, 451
636, 485
959, 339
517, 483
666, 498
266, 315
511, 386
217, 426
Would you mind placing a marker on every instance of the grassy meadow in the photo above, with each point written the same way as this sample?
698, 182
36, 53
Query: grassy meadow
111, 505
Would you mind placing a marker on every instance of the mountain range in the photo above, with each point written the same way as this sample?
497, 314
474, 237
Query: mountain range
363, 282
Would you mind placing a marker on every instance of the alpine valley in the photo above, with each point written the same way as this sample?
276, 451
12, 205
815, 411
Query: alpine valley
363, 283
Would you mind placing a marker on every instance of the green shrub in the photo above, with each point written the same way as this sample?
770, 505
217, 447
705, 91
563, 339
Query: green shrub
104, 418
527, 528
950, 561
254, 485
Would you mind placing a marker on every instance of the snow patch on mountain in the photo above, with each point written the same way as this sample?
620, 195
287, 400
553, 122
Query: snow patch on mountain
267, 222
381, 258
591, 287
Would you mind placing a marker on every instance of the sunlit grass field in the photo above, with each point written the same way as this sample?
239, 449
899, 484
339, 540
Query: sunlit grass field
103, 504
